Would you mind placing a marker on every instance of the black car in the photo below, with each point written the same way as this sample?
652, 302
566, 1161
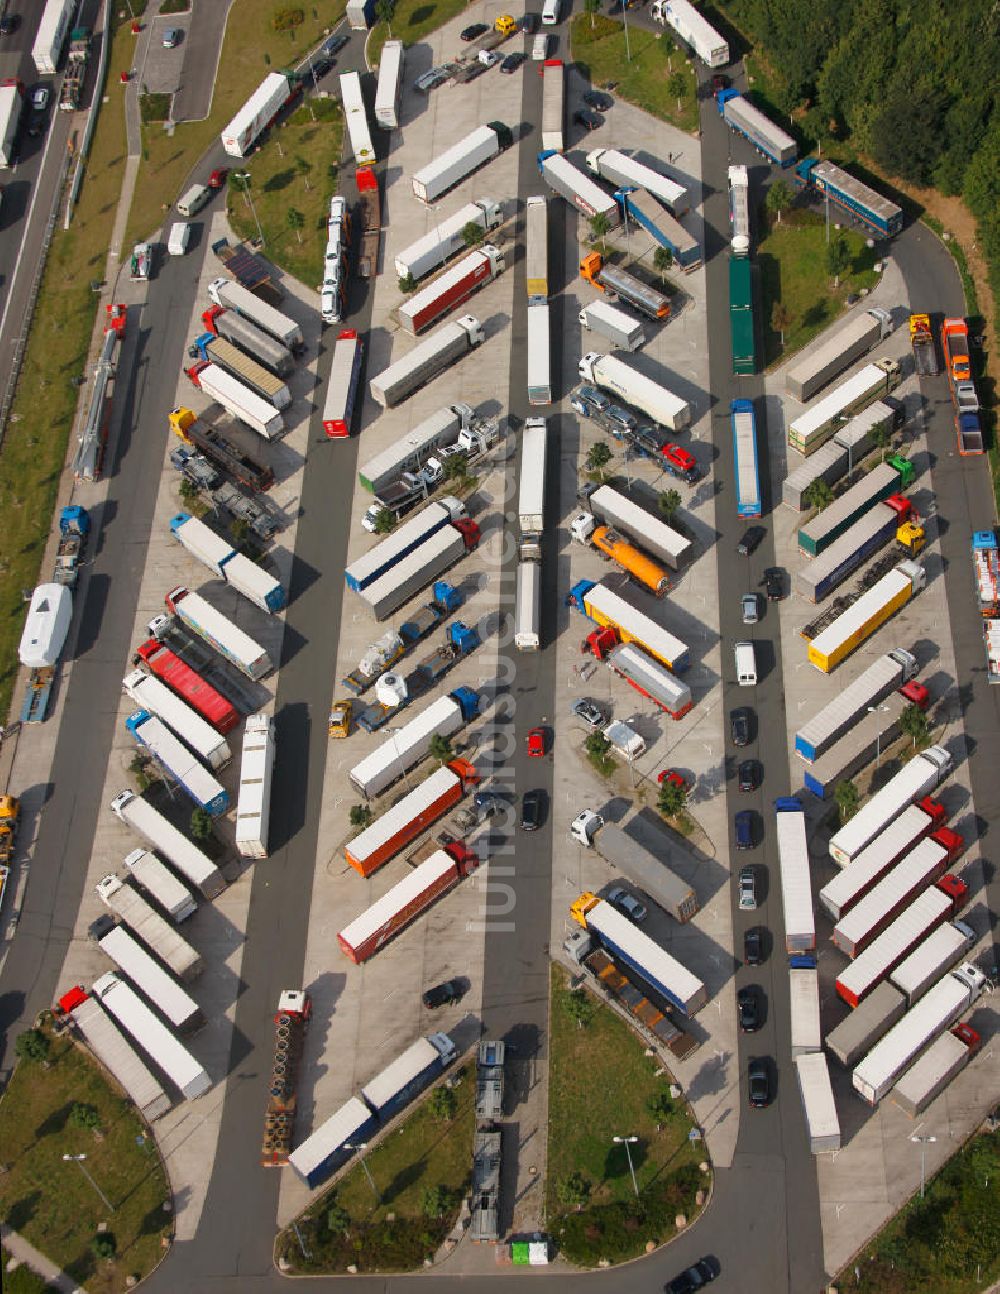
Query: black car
695, 1278
529, 24
441, 994
744, 825
333, 46
753, 946
647, 442
774, 584
739, 726
512, 62
319, 67
473, 32
751, 538
720, 82
532, 805
9, 24
748, 1009
599, 100
758, 1084
588, 120
749, 775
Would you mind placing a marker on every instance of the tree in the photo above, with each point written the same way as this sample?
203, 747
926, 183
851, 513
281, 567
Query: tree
573, 1191
385, 10
472, 233
598, 456
304, 166
294, 219
597, 745
360, 815
407, 284
818, 494
385, 522
456, 467
660, 1106
201, 824
781, 320
882, 439
338, 1220
600, 227
440, 748
779, 198
103, 1246
676, 85
671, 799
592, 7
84, 1116
668, 501
848, 800
437, 1201
444, 1104
914, 723
580, 1006
32, 1044
838, 258
663, 260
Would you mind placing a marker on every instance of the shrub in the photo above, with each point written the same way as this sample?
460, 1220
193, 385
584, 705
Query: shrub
287, 19
32, 1045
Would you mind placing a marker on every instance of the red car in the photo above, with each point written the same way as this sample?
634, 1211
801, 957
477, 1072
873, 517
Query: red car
671, 778
536, 742
218, 177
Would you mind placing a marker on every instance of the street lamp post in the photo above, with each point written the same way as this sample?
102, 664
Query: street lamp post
244, 179
79, 1159
361, 1147
878, 709
627, 1142
923, 1142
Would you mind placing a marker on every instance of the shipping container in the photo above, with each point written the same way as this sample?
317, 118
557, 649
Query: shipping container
578, 189
887, 674
161, 884
553, 104
356, 116
650, 679
796, 886
174, 758
228, 640
189, 686
408, 1075
432, 356
913, 781
817, 424
246, 128
171, 1057
233, 296
537, 252
606, 607
149, 823
803, 984
120, 1059
368, 933
818, 1104
848, 886
830, 355
934, 1070
342, 385
748, 493
539, 355
333, 1142
253, 805
169, 944
862, 1028
152, 695
625, 172
863, 617
176, 1005
939, 952
456, 163
414, 813
741, 115
648, 532
408, 745
389, 94
447, 238
914, 923
450, 289
528, 606
885, 900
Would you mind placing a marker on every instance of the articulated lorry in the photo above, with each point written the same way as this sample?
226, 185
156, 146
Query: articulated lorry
578, 189
291, 1021
451, 289
625, 172
933, 1071
641, 392
227, 639
831, 355
458, 162
233, 296
444, 240
858, 747
274, 92
412, 449
892, 519
386, 651
253, 341
617, 283
638, 205
222, 559
156, 698
796, 884
585, 530
863, 617
104, 1038
405, 748
170, 753
859, 200
395, 691
694, 30
161, 884
172, 1001
880, 483
613, 324
816, 425
846, 446
655, 536
649, 678
237, 463
199, 694
422, 566
607, 608
886, 675
851, 884
746, 119
637, 863
155, 932
238, 400
165, 838
431, 357
925, 771
223, 354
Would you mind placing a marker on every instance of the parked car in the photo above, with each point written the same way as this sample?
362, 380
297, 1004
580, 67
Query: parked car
758, 1083
537, 743
753, 946
319, 67
333, 46
744, 825
618, 421
488, 804
532, 805
512, 62
748, 1009
749, 608
473, 32
739, 726
529, 24
748, 889
38, 118
589, 713
172, 37
598, 100
441, 994
430, 80
694, 1278
751, 538
218, 177
587, 119
588, 401
774, 584
628, 905
9, 24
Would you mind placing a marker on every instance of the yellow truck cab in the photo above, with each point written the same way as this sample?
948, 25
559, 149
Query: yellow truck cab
506, 25
340, 719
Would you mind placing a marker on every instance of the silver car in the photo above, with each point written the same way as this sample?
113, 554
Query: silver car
750, 608
588, 713
748, 890
627, 904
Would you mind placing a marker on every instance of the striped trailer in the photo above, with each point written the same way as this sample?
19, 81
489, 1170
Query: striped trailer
342, 388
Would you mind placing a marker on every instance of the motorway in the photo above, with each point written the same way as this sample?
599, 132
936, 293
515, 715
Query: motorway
763, 1222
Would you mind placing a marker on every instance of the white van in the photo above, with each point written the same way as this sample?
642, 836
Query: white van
746, 664
193, 201
180, 236
540, 48
550, 13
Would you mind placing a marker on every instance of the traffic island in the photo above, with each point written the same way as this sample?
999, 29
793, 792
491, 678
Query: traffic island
625, 1157
394, 1210
82, 1180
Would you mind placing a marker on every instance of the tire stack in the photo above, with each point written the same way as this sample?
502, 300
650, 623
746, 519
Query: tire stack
279, 1119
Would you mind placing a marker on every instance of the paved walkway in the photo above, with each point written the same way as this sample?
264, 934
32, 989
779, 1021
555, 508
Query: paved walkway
133, 120
28, 1256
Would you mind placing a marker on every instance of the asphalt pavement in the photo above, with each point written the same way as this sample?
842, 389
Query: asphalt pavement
202, 49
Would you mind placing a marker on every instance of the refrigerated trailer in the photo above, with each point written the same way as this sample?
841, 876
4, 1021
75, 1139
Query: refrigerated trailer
389, 92
625, 172
174, 758
818, 1104
119, 1057
851, 884
748, 494
179, 1008
796, 885
50, 35
171, 1057
406, 819
131, 907
11, 103
447, 238
239, 137
152, 695
914, 923
253, 805
342, 387
233, 296
149, 823
822, 362
925, 771
531, 481
528, 606
161, 884
744, 117
356, 115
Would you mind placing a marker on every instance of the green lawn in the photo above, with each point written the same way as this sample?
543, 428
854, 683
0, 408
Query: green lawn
791, 260
412, 21
34, 446
251, 49
296, 169
50, 1202
392, 1233
601, 1084
946, 1243
599, 53
22, 1280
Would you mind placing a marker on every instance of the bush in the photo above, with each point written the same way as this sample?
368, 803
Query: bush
444, 1103
103, 1246
287, 19
32, 1045
201, 824
84, 1116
